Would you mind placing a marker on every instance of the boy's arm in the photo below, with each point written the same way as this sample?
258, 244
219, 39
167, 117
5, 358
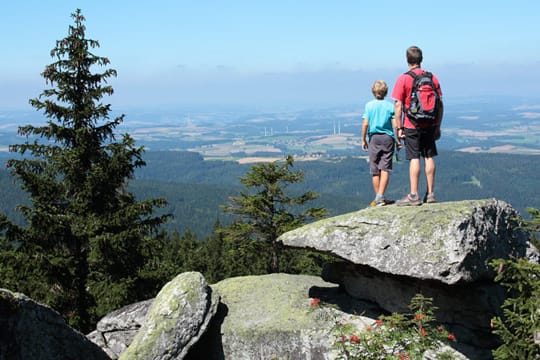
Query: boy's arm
365, 125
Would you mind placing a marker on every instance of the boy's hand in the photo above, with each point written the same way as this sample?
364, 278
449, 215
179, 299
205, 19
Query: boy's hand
399, 145
364, 145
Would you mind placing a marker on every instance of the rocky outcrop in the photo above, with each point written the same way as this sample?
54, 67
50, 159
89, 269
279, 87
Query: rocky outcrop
271, 317
267, 317
257, 317
388, 255
440, 250
177, 318
115, 332
31, 331
447, 242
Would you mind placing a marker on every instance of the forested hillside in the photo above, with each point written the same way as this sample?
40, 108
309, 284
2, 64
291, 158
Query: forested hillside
195, 189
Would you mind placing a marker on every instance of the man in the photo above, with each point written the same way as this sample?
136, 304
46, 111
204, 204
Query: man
419, 138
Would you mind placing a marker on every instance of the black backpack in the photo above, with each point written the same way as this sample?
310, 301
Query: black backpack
425, 100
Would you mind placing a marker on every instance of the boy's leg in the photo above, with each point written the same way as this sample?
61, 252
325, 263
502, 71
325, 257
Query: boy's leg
385, 164
383, 182
376, 179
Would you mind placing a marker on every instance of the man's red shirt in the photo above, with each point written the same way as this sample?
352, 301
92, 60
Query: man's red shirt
402, 92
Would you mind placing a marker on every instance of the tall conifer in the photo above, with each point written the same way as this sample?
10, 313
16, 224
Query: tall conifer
85, 233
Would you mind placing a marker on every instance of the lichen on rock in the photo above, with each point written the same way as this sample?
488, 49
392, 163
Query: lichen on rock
177, 318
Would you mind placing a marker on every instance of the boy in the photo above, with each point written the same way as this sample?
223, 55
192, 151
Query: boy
378, 126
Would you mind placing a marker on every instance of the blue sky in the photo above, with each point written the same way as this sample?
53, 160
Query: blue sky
299, 53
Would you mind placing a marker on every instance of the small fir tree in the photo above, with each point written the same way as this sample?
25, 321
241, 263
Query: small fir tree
519, 325
85, 233
269, 211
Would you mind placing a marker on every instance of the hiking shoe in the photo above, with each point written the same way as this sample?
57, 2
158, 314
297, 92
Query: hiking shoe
381, 202
385, 202
430, 198
409, 200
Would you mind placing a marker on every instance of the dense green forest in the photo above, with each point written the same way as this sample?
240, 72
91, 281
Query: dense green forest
196, 189
192, 185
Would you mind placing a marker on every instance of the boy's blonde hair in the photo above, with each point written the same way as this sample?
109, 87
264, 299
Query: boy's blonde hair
379, 89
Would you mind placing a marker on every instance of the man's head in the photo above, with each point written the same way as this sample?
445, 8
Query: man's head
379, 89
414, 55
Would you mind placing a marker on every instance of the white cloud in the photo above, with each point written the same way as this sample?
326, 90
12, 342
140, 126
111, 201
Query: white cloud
530, 115
526, 107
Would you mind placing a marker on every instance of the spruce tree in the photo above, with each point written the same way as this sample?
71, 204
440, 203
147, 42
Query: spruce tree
267, 209
85, 234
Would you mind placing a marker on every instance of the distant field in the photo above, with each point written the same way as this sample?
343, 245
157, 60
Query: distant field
489, 125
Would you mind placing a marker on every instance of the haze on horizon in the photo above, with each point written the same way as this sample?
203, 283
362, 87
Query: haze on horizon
303, 53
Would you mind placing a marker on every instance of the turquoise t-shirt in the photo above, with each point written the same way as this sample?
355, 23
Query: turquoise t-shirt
379, 114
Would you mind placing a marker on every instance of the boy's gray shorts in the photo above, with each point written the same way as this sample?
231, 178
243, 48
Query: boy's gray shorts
381, 151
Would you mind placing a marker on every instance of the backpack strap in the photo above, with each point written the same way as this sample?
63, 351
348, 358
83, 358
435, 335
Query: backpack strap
414, 75
411, 74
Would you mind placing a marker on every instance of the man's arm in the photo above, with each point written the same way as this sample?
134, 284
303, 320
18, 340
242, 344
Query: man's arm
398, 111
440, 118
441, 113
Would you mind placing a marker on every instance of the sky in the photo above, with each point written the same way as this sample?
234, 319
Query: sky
276, 53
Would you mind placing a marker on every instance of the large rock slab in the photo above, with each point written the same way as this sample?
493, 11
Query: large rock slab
440, 250
31, 331
179, 315
449, 242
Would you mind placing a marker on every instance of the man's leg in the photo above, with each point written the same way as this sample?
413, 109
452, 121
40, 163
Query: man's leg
430, 170
414, 175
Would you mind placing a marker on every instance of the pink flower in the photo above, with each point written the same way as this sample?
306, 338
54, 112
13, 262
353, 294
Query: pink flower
404, 356
354, 339
440, 328
451, 337
315, 302
419, 317
423, 331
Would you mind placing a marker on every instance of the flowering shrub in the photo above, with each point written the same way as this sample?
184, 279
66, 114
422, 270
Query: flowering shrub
397, 336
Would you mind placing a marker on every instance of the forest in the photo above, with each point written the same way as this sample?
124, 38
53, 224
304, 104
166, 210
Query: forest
196, 189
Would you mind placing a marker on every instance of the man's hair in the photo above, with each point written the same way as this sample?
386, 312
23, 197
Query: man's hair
414, 55
379, 89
